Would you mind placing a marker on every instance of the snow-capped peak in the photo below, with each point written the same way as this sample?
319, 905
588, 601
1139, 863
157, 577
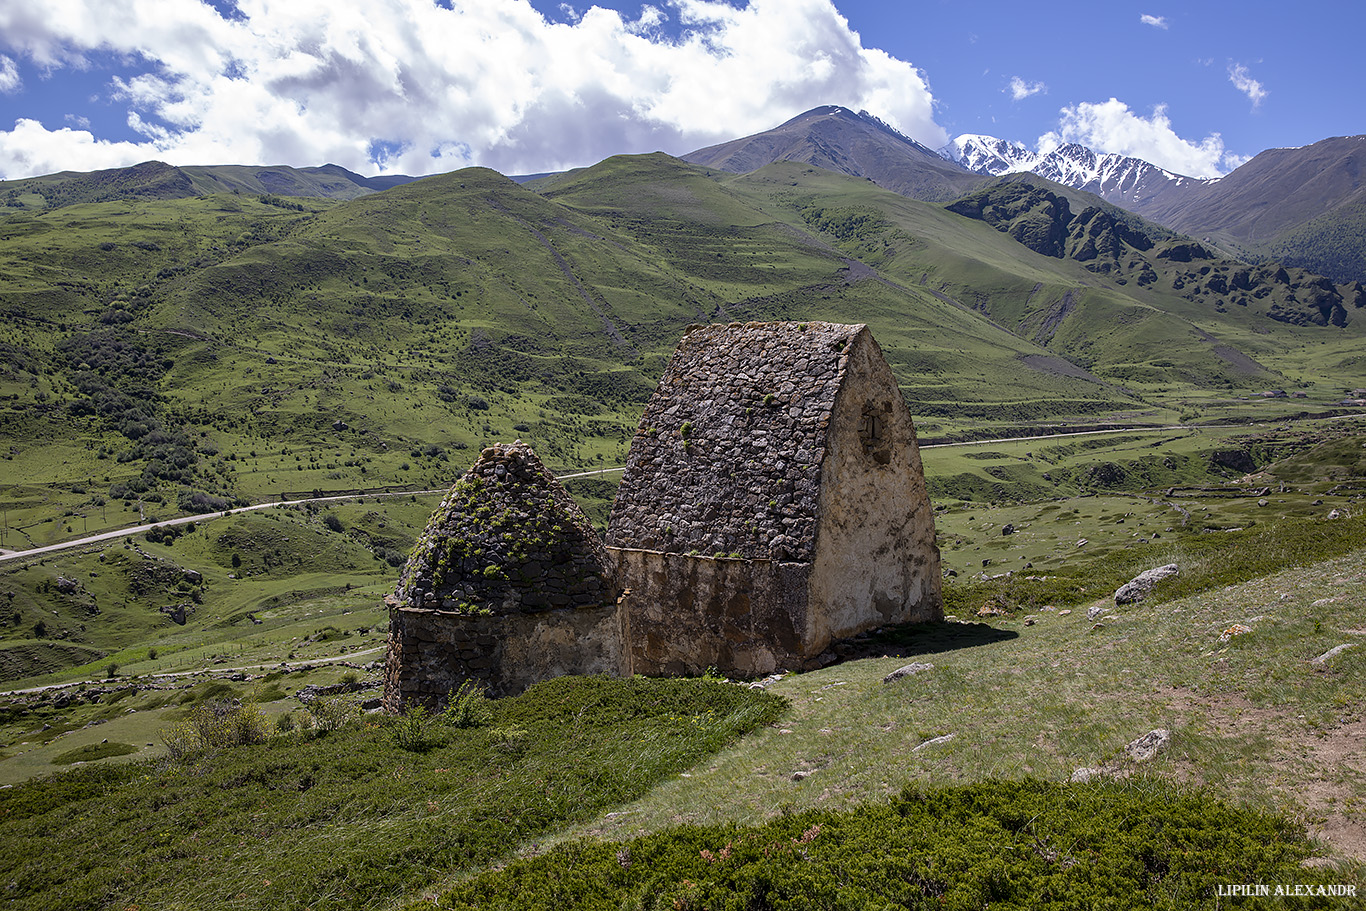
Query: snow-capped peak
1120, 179
989, 155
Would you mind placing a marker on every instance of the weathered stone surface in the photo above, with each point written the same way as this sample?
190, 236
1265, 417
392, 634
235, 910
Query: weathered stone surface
1140, 586
913, 668
1149, 745
785, 444
507, 538
432, 653
689, 613
1331, 653
509, 585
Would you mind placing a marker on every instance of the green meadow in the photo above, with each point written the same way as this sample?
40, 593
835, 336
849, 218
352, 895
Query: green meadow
187, 358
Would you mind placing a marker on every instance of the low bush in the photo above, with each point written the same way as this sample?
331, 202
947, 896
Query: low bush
412, 731
998, 844
351, 820
467, 707
214, 726
331, 713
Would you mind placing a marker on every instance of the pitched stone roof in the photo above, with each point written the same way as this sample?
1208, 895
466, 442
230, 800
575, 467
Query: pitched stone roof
727, 458
507, 538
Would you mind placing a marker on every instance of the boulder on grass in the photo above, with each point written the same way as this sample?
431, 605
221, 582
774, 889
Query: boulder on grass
1140, 586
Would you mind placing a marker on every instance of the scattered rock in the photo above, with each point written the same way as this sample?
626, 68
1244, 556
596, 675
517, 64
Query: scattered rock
1140, 586
1093, 612
801, 774
945, 739
1331, 653
990, 610
1149, 745
1063, 613
177, 612
67, 586
906, 671
1336, 514
1007, 529
1263, 501
1081, 776
1236, 629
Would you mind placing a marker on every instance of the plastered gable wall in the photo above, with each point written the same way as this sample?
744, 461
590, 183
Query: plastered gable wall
875, 557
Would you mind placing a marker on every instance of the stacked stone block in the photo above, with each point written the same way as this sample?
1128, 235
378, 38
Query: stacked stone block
727, 458
507, 538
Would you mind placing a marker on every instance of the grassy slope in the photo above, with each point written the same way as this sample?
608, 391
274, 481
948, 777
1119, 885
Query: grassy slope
380, 342
1149, 339
1047, 693
351, 818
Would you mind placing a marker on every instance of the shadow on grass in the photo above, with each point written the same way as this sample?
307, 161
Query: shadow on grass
911, 639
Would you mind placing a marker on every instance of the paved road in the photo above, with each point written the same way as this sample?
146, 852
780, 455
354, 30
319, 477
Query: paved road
138, 529
209, 517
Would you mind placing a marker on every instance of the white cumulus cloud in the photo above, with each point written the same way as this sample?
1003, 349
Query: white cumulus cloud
1243, 82
1154, 21
412, 86
1111, 127
1019, 89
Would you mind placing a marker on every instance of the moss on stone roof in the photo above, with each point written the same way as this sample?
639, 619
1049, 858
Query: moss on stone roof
506, 538
727, 457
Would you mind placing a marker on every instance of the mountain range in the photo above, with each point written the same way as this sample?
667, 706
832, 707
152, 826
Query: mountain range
1304, 207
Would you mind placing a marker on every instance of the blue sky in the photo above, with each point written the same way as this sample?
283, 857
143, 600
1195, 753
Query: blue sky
424, 86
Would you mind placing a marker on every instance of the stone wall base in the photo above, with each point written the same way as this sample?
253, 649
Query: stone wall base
433, 652
688, 613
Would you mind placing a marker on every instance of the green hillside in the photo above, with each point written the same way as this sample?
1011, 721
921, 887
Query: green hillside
158, 180
172, 357
1087, 392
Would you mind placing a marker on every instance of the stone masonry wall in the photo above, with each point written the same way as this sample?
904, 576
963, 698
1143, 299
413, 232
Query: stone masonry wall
431, 653
687, 613
727, 456
508, 585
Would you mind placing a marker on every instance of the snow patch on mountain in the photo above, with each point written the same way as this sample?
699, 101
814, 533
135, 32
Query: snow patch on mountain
1118, 178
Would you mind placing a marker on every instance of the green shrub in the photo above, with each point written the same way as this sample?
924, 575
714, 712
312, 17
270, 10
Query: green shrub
215, 725
997, 844
331, 713
467, 707
411, 731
